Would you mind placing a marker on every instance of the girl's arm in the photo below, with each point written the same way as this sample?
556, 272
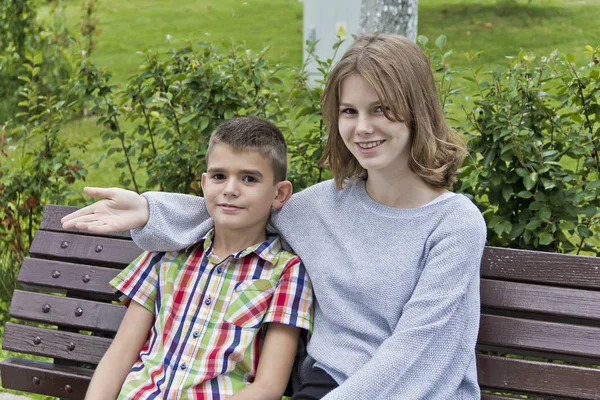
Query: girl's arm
432, 347
174, 221
275, 364
123, 352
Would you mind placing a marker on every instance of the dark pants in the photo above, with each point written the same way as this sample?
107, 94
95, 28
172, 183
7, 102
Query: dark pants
316, 385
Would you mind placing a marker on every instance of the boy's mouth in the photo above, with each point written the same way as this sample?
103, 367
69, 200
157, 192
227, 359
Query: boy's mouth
228, 207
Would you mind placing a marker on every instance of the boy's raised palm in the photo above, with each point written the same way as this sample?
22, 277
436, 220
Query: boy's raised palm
120, 210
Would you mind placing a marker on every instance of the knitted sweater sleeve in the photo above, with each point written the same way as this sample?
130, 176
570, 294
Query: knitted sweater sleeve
430, 349
176, 221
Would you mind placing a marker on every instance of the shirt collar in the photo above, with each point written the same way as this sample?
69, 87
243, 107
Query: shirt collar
268, 250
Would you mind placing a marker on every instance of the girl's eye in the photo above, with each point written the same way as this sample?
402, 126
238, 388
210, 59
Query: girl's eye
379, 109
347, 111
249, 179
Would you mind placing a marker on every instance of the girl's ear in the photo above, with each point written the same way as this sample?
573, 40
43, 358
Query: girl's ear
284, 192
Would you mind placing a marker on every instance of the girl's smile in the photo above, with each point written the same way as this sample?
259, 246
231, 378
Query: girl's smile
379, 144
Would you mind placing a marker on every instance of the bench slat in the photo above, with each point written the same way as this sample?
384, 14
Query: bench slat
53, 214
549, 300
114, 253
45, 378
78, 277
64, 311
538, 267
544, 337
53, 343
538, 377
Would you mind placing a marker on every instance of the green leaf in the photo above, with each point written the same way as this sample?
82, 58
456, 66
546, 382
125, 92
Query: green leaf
533, 224
545, 238
522, 172
499, 229
440, 42
203, 123
570, 58
507, 192
530, 180
525, 194
584, 231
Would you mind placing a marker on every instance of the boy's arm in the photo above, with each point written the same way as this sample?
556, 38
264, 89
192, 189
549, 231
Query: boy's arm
123, 352
275, 365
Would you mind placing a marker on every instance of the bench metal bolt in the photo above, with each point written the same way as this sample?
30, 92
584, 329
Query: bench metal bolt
78, 312
46, 308
37, 340
98, 248
68, 389
64, 245
86, 278
56, 274
36, 380
71, 346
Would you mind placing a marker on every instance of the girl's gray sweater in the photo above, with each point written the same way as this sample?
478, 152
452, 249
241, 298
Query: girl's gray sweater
397, 290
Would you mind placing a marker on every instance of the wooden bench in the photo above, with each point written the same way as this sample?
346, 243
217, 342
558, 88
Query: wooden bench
543, 309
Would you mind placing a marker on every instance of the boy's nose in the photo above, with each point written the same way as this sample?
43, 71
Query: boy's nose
231, 189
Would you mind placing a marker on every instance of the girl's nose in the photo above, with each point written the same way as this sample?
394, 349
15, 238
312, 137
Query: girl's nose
363, 125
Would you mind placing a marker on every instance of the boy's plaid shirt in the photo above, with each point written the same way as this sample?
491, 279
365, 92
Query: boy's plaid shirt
206, 338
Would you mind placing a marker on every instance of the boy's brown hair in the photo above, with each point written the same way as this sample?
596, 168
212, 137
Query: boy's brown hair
401, 76
254, 133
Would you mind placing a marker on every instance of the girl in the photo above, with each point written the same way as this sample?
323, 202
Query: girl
393, 256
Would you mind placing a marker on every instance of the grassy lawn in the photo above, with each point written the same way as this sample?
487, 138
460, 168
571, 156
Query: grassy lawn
539, 26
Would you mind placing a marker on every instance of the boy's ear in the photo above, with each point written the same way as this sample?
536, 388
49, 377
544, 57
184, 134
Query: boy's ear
203, 180
284, 192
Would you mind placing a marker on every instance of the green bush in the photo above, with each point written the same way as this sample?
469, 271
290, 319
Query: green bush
21, 34
534, 167
36, 167
173, 104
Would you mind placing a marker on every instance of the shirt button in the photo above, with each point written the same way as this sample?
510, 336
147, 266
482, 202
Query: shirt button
219, 270
207, 301
182, 366
195, 335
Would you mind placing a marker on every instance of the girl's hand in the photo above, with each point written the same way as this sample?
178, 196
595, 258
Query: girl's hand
120, 210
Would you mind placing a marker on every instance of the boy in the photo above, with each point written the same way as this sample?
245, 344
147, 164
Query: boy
197, 322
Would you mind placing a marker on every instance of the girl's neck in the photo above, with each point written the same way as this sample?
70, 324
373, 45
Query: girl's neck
403, 190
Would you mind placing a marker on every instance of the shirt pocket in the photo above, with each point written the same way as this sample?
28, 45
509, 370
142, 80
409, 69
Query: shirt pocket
249, 303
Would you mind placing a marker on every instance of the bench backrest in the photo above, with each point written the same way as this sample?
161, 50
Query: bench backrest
541, 308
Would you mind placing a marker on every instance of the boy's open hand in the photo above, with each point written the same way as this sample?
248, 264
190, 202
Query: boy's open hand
120, 210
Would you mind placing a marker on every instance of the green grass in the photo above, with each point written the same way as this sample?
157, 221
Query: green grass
127, 27
539, 27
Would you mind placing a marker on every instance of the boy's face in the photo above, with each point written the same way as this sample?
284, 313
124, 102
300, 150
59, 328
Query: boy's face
239, 188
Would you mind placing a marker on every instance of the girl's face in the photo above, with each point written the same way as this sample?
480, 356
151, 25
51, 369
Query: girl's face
379, 144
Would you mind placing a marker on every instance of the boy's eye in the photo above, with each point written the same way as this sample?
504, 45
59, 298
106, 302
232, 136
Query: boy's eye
379, 109
218, 176
250, 179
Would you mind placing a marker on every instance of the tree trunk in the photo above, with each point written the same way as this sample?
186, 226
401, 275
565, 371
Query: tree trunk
389, 16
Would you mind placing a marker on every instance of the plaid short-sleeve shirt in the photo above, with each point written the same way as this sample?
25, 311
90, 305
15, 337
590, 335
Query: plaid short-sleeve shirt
206, 337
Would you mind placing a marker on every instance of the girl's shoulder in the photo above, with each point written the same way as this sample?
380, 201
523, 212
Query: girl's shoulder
459, 213
322, 191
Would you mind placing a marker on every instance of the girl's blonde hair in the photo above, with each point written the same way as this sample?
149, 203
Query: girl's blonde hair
401, 75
